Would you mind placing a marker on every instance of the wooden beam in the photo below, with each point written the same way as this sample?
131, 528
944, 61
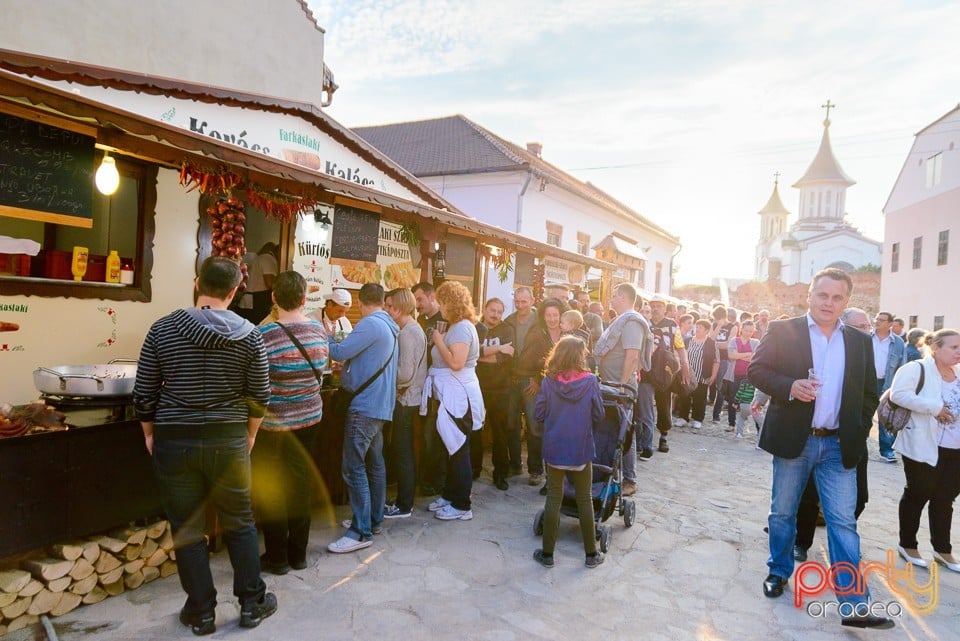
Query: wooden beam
45, 217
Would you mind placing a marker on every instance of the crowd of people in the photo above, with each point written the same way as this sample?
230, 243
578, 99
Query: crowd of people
212, 388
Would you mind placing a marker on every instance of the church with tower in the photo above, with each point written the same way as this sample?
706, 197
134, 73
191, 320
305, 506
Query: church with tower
821, 236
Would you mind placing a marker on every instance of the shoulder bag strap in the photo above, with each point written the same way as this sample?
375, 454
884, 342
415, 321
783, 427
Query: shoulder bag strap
377, 374
303, 351
920, 382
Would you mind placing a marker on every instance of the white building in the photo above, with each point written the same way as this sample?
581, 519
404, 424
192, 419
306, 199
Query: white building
821, 236
506, 185
921, 267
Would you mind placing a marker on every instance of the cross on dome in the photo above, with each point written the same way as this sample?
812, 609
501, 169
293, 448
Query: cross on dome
828, 106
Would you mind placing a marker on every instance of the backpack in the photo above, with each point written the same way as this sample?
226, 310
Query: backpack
664, 367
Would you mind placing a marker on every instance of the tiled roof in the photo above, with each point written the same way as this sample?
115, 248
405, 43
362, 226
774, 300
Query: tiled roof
457, 145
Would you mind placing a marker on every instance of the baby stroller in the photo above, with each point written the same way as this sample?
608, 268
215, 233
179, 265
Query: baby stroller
612, 439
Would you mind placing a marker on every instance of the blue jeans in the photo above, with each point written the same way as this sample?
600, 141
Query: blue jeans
885, 436
364, 473
838, 496
645, 416
191, 472
401, 450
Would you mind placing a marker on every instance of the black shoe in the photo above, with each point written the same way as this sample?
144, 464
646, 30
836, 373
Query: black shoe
546, 560
543, 490
251, 616
663, 447
299, 565
645, 454
773, 586
867, 621
501, 483
199, 624
799, 553
273, 568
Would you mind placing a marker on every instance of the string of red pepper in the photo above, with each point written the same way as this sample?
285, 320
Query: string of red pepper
274, 205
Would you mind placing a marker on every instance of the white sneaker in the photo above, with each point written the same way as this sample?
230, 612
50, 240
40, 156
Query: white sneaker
345, 544
696, 425
438, 504
450, 513
679, 423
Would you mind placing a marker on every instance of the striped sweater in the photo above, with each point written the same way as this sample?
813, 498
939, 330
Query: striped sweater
201, 367
294, 391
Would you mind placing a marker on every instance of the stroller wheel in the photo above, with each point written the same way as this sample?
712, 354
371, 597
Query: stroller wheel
538, 523
606, 537
629, 513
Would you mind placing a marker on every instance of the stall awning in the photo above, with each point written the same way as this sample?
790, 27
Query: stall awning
621, 246
159, 142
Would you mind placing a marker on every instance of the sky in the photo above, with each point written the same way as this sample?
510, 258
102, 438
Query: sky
682, 109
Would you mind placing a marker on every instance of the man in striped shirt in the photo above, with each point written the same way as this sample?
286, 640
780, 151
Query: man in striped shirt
201, 391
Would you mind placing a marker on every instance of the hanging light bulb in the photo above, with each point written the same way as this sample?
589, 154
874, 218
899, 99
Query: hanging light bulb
107, 178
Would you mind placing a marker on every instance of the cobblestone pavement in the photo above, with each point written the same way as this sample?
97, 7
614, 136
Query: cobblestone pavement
690, 568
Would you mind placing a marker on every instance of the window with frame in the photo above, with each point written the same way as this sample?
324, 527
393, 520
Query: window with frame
917, 251
895, 257
934, 168
122, 222
912, 321
583, 243
554, 234
937, 323
943, 246
658, 277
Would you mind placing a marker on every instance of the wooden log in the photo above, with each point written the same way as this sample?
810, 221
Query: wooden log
91, 551
13, 581
157, 558
149, 574
32, 587
149, 547
168, 568
67, 551
166, 541
156, 530
6, 598
133, 536
81, 569
114, 589
47, 569
59, 585
96, 595
22, 621
109, 543
132, 552
85, 585
68, 603
43, 602
16, 608
106, 563
133, 581
134, 566
111, 577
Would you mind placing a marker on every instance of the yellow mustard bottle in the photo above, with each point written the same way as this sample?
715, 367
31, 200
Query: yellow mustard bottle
78, 265
113, 267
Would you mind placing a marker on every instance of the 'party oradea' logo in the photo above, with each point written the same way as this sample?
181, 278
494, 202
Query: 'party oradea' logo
813, 579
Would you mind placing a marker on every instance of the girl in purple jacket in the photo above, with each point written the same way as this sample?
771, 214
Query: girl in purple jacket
568, 405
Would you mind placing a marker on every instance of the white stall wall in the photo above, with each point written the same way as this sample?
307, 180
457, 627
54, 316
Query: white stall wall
59, 331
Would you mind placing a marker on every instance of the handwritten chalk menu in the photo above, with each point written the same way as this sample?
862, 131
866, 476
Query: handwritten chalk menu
46, 173
355, 234
523, 270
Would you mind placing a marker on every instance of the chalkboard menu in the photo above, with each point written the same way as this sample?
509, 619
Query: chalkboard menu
47, 170
523, 270
355, 234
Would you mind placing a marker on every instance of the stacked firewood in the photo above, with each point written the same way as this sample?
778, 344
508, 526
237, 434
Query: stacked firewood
84, 572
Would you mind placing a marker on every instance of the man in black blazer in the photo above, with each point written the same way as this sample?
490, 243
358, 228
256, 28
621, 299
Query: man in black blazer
822, 384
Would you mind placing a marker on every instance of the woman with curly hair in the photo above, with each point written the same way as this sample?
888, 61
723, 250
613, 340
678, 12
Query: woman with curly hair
452, 381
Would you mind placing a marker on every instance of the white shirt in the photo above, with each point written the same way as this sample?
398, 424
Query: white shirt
829, 363
262, 265
881, 349
949, 435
